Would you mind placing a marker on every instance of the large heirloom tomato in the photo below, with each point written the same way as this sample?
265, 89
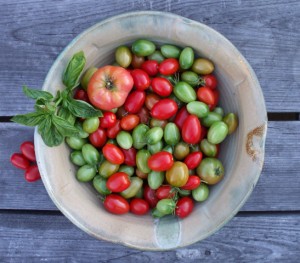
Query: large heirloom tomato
109, 87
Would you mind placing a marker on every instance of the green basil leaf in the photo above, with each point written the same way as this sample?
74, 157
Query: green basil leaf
29, 119
64, 127
50, 134
82, 109
66, 115
73, 70
37, 94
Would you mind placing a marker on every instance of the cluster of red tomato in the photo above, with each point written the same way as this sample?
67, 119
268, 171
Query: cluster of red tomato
26, 161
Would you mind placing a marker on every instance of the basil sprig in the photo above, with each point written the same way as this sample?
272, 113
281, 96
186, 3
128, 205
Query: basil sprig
55, 116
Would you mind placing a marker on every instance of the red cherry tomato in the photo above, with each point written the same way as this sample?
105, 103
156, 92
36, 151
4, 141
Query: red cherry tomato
191, 130
164, 109
135, 101
210, 81
193, 160
108, 120
162, 86
216, 95
149, 196
151, 67
129, 122
184, 207
32, 173
151, 100
113, 131
109, 87
192, 183
129, 156
139, 206
118, 182
181, 116
81, 94
98, 138
169, 66
164, 191
116, 204
137, 61
27, 149
161, 161
19, 161
113, 153
141, 79
206, 95
143, 115
203, 133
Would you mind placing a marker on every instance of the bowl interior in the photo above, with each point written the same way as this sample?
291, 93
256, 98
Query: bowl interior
242, 153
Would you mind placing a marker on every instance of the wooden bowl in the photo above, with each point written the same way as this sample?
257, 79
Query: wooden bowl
242, 153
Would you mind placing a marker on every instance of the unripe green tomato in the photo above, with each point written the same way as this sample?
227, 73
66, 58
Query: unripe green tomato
123, 56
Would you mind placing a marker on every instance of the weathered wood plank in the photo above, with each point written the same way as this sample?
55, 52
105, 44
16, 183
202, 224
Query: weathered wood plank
53, 238
277, 189
35, 32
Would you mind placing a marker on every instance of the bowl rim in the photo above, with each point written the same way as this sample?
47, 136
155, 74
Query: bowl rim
253, 78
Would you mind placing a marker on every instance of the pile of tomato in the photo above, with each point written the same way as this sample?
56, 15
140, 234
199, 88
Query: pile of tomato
156, 145
25, 160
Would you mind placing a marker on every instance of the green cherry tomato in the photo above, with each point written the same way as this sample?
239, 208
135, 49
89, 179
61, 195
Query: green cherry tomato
168, 148
77, 158
170, 51
142, 157
208, 148
217, 132
75, 142
210, 119
91, 125
154, 148
178, 175
106, 169
136, 184
99, 184
184, 92
171, 134
166, 206
157, 55
124, 140
123, 56
154, 135
186, 58
82, 133
90, 154
87, 76
181, 150
198, 108
138, 136
190, 77
219, 110
232, 122
203, 66
155, 179
143, 47
156, 213
86, 173
127, 169
201, 193
210, 170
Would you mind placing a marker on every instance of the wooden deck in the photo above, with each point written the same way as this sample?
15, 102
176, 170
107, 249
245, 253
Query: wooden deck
267, 229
